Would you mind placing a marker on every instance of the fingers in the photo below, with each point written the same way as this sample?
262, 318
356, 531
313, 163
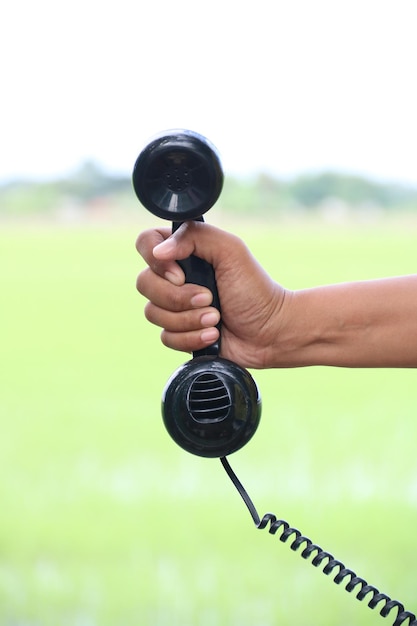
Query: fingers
182, 309
203, 240
183, 312
183, 321
145, 244
190, 341
171, 297
161, 249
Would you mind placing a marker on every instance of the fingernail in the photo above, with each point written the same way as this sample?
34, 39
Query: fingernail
174, 278
209, 335
165, 247
203, 298
210, 319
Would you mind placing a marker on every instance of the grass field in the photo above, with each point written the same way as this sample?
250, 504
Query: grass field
104, 521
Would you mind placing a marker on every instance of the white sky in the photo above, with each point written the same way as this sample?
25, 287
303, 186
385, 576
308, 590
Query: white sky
280, 86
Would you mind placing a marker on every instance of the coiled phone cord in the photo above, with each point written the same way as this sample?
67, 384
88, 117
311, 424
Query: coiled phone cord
322, 557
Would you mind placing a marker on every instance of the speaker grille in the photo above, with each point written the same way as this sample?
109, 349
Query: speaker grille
178, 178
208, 398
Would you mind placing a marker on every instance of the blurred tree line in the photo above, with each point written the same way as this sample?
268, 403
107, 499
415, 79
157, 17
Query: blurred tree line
90, 188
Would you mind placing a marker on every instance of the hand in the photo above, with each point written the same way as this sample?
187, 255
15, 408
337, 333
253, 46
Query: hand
250, 300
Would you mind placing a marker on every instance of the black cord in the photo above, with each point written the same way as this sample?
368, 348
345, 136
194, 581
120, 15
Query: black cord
321, 557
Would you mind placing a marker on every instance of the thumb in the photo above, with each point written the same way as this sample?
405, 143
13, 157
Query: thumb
198, 238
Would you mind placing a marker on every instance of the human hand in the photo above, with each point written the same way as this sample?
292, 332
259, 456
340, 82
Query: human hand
250, 300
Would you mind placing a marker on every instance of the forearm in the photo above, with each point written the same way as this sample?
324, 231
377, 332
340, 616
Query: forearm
360, 324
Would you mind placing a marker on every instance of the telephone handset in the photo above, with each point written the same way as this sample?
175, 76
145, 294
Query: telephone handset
211, 407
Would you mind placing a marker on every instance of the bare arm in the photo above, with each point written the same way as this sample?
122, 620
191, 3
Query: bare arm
357, 324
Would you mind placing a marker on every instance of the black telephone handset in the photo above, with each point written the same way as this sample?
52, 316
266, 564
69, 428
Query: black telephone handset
211, 406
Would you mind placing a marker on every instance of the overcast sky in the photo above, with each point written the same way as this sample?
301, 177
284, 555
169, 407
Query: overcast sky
279, 86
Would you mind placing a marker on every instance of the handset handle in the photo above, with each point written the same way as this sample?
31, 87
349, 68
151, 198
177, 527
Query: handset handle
200, 272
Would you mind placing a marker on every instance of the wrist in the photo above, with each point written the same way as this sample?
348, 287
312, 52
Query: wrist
302, 337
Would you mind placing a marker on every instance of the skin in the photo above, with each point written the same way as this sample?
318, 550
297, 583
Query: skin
356, 324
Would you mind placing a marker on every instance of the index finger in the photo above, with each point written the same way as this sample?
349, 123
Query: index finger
145, 244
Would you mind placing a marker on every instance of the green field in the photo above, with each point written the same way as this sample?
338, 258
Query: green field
104, 521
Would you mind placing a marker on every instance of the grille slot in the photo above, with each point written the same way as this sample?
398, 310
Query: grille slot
208, 398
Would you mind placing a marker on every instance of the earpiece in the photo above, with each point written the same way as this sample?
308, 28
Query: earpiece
178, 175
211, 407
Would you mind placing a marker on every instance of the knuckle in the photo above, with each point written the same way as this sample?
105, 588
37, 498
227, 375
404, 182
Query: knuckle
176, 300
142, 241
149, 312
148, 239
142, 281
165, 339
157, 267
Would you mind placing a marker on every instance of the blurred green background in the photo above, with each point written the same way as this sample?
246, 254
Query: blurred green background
105, 521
